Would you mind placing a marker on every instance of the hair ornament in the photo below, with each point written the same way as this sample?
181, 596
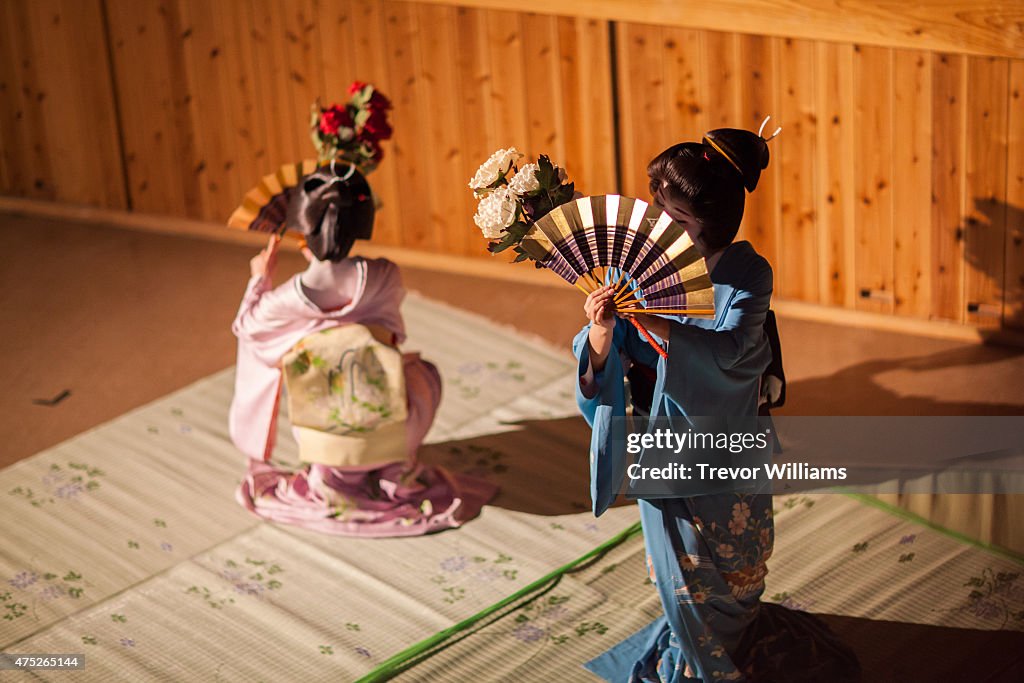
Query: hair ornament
341, 178
352, 131
746, 151
721, 151
760, 131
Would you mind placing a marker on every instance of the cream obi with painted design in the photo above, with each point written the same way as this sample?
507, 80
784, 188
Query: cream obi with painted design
346, 398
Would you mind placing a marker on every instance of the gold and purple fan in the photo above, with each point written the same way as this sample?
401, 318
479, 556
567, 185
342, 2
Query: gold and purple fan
647, 257
265, 207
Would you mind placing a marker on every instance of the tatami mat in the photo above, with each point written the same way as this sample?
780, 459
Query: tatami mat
125, 544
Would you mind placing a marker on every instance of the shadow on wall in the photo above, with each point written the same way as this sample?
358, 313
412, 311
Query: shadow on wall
993, 236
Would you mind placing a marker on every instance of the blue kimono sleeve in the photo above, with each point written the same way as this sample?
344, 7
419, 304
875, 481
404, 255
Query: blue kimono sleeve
607, 463
717, 371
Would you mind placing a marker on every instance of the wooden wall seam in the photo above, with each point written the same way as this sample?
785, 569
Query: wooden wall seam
613, 75
119, 125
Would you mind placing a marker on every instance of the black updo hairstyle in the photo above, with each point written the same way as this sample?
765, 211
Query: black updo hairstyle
713, 177
332, 208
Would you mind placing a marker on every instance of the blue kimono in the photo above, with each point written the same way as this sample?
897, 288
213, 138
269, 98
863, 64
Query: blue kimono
706, 554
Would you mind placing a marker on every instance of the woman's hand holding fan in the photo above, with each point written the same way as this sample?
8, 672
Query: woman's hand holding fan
599, 308
262, 264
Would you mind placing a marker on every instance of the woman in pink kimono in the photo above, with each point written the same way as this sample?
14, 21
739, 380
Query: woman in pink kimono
365, 481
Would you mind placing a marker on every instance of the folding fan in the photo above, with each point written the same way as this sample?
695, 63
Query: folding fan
265, 207
647, 257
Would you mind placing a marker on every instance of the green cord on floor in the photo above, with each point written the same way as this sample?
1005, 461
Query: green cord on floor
871, 500
396, 664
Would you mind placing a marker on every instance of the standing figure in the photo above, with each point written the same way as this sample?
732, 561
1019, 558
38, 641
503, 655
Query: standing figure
705, 554
360, 409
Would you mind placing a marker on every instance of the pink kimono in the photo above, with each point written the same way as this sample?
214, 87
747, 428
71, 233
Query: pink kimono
394, 499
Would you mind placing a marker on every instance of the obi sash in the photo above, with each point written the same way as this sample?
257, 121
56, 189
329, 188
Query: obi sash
346, 398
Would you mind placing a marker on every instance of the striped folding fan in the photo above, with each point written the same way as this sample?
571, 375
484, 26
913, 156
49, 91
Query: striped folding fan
627, 243
265, 207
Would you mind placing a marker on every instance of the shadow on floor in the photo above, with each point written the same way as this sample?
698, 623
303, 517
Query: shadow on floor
854, 390
892, 651
542, 466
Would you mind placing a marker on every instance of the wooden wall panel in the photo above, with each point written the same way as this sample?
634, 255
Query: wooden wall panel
343, 35
473, 85
835, 172
215, 95
871, 199
508, 85
243, 115
571, 140
759, 97
898, 171
147, 44
409, 143
220, 100
287, 55
643, 96
61, 139
7, 112
985, 191
587, 111
450, 202
8, 73
543, 102
873, 172
467, 78
796, 274
26, 165
723, 75
949, 83
231, 85
369, 63
686, 79
1013, 288
912, 176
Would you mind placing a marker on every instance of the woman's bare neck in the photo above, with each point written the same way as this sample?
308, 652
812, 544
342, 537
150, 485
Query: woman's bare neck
329, 284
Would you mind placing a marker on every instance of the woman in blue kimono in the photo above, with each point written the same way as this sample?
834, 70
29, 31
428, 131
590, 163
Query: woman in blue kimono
706, 554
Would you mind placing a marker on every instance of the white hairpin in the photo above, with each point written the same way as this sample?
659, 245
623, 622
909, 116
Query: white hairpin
341, 179
761, 129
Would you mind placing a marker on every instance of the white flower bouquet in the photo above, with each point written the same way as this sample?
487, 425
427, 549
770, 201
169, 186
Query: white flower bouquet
512, 199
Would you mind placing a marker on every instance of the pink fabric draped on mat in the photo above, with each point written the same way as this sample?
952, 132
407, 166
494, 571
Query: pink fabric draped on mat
395, 499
